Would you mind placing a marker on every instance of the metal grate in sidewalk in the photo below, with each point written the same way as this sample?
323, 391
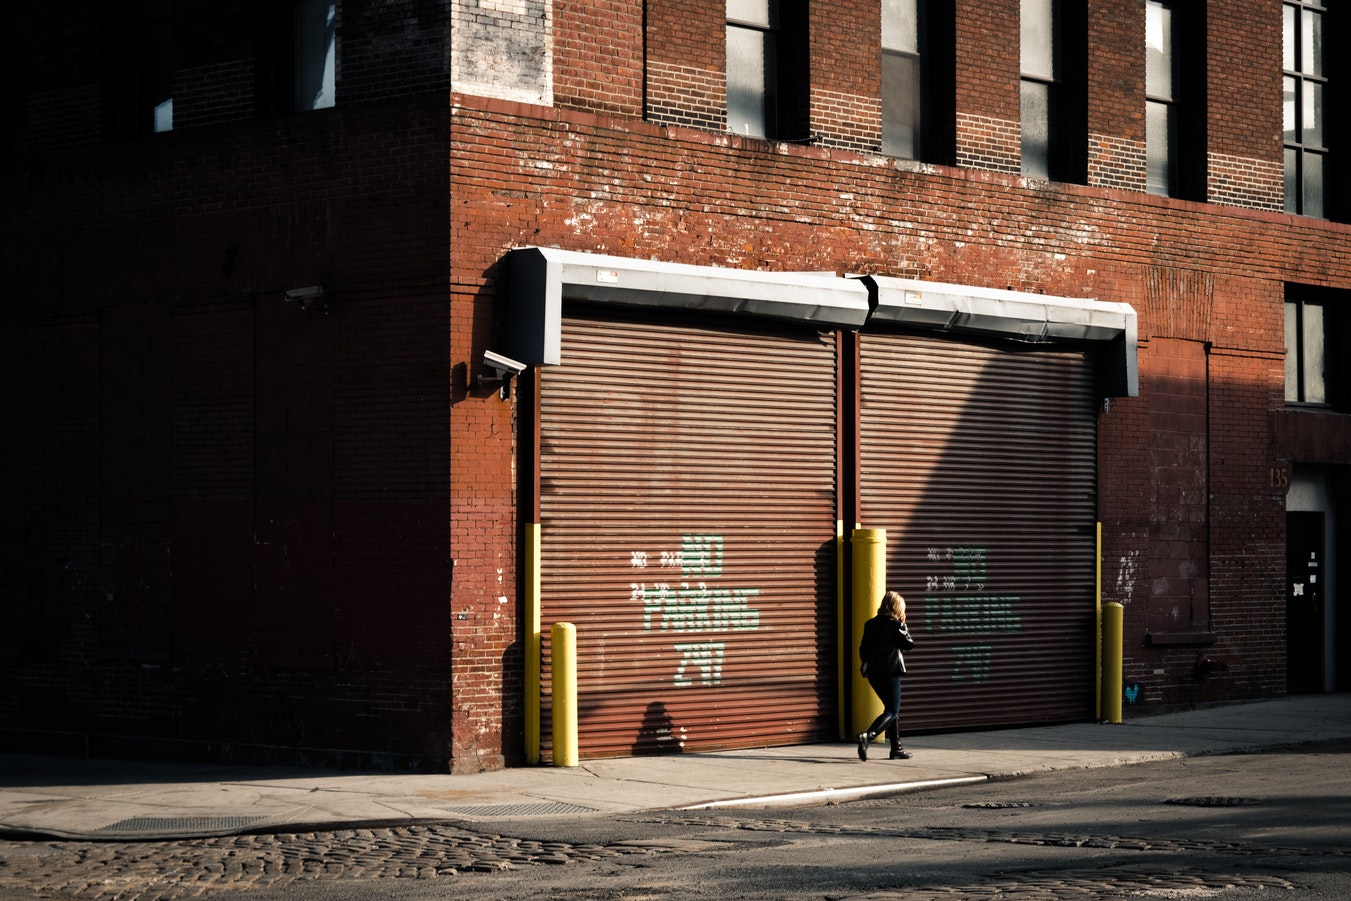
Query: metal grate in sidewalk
540, 809
180, 824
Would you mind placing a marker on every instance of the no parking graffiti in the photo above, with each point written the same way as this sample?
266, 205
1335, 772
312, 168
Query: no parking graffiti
696, 604
955, 603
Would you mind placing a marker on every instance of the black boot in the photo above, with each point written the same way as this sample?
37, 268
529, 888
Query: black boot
864, 739
894, 734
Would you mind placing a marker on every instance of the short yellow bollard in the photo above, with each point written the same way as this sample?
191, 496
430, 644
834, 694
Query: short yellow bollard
869, 550
563, 637
1113, 626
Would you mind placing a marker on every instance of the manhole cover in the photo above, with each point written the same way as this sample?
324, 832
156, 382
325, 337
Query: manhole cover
542, 809
1211, 802
996, 805
180, 824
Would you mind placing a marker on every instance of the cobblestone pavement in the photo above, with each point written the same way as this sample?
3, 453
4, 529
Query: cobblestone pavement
139, 871
1048, 839
129, 871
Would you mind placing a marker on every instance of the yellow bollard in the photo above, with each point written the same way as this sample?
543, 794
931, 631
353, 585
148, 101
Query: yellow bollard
1097, 622
869, 549
564, 645
1113, 626
842, 655
533, 637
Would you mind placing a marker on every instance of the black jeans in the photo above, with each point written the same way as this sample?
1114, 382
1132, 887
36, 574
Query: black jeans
888, 690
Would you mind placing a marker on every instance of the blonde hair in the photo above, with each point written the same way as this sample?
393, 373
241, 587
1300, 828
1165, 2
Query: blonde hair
892, 606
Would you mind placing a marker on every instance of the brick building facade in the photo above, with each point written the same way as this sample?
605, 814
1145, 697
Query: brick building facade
246, 519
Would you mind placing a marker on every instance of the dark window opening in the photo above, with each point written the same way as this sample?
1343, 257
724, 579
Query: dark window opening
918, 84
1304, 107
1161, 134
1317, 338
138, 68
13, 80
1040, 88
1053, 95
316, 53
767, 69
297, 44
1175, 120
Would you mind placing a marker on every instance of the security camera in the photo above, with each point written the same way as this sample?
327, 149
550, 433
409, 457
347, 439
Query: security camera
504, 365
303, 294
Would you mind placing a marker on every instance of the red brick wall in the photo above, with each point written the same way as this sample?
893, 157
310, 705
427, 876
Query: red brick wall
1192, 530
338, 499
988, 65
485, 612
687, 63
391, 49
1243, 37
1244, 127
216, 84
232, 528
598, 55
1116, 85
685, 85
846, 62
247, 503
62, 104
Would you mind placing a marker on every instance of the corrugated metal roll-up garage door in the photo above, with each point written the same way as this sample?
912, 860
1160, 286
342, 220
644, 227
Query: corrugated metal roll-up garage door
981, 465
687, 492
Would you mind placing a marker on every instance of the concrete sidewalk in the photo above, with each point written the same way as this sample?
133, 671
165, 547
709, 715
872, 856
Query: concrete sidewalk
119, 801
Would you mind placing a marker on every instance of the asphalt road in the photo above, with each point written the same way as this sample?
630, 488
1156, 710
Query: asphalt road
1274, 825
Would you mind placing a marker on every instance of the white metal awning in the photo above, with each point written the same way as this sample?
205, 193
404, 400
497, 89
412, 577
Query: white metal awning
538, 279
1018, 316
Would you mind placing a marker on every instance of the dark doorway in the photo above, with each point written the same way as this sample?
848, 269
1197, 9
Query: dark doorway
1304, 592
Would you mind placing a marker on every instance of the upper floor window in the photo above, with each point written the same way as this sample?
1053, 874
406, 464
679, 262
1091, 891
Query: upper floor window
1304, 107
903, 95
1317, 339
1053, 89
316, 45
159, 27
297, 56
1305, 381
918, 79
1041, 84
1161, 108
752, 67
767, 68
14, 62
138, 68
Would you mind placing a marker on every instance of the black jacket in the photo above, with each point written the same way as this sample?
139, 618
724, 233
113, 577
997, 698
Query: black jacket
883, 641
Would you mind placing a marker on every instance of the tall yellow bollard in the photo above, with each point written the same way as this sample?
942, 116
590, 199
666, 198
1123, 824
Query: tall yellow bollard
842, 656
564, 644
869, 550
1097, 622
1113, 626
533, 637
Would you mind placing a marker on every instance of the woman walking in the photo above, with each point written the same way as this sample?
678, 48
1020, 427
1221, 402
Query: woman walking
885, 638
